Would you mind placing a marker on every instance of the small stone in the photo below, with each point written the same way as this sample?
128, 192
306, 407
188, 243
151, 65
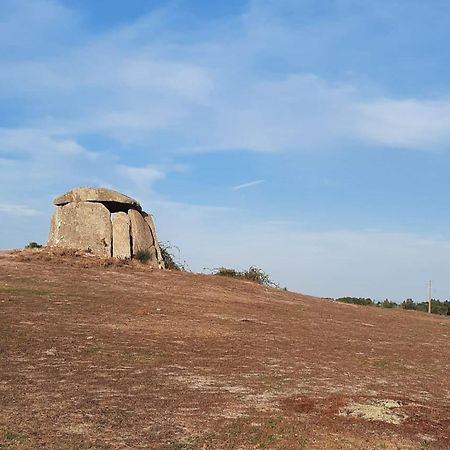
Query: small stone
51, 352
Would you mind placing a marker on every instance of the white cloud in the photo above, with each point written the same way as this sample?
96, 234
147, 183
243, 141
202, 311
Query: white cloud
19, 210
36, 144
140, 179
147, 174
39, 166
27, 24
410, 123
131, 86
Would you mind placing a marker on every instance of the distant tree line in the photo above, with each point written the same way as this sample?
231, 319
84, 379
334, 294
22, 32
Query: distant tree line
437, 306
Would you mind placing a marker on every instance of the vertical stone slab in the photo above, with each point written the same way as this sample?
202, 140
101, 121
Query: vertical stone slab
53, 230
82, 226
154, 257
141, 236
149, 219
121, 240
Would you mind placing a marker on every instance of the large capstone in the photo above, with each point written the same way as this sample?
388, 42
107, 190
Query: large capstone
113, 199
83, 226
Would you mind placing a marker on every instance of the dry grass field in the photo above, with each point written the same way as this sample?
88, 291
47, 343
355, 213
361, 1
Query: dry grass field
96, 355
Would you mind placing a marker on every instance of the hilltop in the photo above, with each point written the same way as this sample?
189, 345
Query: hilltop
100, 355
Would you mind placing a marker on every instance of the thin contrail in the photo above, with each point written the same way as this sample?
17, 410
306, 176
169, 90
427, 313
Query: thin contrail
247, 185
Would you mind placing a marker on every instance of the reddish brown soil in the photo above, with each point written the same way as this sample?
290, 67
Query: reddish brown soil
99, 356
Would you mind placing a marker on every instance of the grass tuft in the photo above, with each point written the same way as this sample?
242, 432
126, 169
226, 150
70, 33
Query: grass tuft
143, 256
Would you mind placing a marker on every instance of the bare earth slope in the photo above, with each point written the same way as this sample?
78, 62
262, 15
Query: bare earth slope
95, 357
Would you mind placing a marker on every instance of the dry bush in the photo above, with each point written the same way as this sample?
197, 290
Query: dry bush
251, 274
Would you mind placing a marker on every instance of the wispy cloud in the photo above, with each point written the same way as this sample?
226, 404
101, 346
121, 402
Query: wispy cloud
408, 123
132, 88
247, 185
40, 165
18, 210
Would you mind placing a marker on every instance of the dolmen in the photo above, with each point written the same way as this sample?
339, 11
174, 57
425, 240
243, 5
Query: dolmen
104, 222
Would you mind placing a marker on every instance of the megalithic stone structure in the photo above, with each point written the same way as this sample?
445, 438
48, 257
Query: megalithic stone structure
104, 222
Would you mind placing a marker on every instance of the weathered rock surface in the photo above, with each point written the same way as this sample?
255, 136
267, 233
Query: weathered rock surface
82, 226
149, 219
141, 236
90, 194
105, 222
121, 235
154, 257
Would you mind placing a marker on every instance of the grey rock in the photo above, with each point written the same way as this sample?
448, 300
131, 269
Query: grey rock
141, 236
91, 194
149, 219
82, 226
121, 235
154, 257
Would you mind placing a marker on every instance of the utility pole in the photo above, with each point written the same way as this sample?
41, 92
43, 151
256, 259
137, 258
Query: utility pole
429, 297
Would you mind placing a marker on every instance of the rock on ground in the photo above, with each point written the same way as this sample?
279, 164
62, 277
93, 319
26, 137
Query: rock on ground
82, 225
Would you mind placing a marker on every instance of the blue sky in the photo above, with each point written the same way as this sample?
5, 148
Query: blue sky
309, 138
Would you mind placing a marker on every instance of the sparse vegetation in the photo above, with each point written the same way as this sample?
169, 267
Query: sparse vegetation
250, 358
437, 306
441, 307
22, 291
8, 439
251, 274
356, 300
380, 364
265, 433
408, 304
143, 256
33, 245
171, 261
387, 304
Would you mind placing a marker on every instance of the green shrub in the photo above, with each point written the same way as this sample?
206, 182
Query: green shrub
33, 245
143, 256
387, 304
408, 304
356, 300
437, 306
225, 272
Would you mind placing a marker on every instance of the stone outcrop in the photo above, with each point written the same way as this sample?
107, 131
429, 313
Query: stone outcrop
104, 222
